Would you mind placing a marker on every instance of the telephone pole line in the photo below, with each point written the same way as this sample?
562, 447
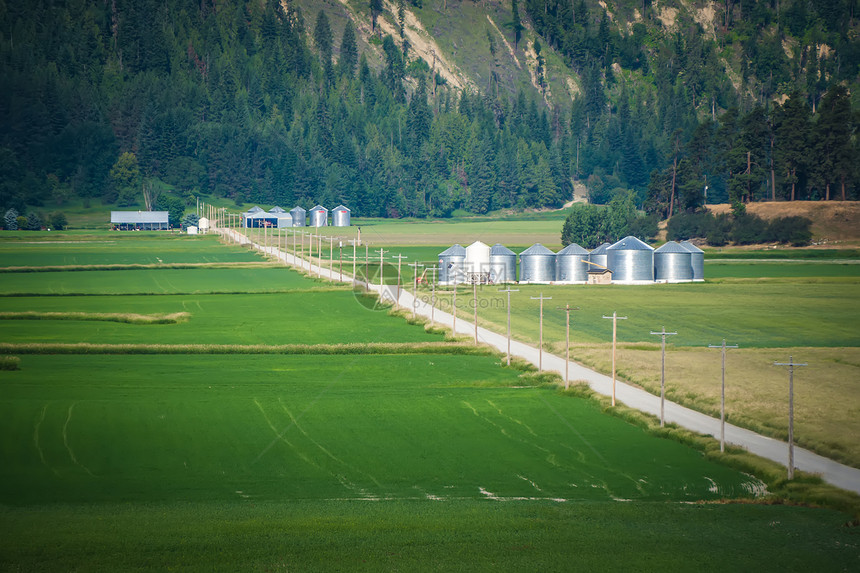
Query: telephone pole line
663, 334
615, 318
414, 266
723, 394
791, 364
541, 298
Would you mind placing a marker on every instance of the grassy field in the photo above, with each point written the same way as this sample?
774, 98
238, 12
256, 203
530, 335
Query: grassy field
348, 457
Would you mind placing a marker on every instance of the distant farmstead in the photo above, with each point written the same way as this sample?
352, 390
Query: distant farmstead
139, 220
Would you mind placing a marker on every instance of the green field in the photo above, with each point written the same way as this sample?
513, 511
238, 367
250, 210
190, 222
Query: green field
341, 456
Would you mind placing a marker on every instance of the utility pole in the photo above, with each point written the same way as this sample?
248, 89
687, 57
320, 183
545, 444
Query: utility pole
663, 334
414, 266
331, 257
509, 291
432, 295
567, 308
340, 256
399, 258
723, 395
615, 318
381, 272
319, 254
366, 267
791, 364
541, 298
475, 304
354, 242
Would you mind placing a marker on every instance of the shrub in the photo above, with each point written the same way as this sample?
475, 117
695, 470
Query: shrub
792, 230
10, 363
685, 226
34, 222
11, 220
748, 229
21, 222
58, 220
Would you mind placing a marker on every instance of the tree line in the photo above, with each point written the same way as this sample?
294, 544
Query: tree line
155, 102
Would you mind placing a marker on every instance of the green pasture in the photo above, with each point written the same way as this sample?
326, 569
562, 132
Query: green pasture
361, 462
800, 269
292, 317
752, 313
271, 279
115, 247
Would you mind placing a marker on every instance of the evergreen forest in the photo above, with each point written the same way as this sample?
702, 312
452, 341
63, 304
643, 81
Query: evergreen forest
153, 103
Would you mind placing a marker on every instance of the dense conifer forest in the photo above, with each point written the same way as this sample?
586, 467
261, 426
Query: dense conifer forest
153, 102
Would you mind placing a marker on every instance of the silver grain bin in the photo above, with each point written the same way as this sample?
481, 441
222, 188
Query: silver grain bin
253, 210
299, 216
277, 210
537, 265
599, 256
503, 264
319, 216
340, 216
631, 261
451, 262
697, 256
673, 264
571, 265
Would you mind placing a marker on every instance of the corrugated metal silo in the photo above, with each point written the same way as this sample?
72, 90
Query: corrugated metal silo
253, 210
277, 210
599, 256
340, 216
570, 265
697, 257
503, 264
299, 217
451, 265
631, 261
673, 263
319, 216
537, 265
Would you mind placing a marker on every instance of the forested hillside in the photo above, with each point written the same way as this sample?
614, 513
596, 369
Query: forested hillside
303, 102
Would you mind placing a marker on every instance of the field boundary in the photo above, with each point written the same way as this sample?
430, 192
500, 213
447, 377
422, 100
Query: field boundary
138, 267
462, 348
123, 317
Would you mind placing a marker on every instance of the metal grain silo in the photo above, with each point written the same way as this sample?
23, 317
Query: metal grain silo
599, 256
477, 263
697, 256
319, 216
299, 216
571, 265
537, 265
340, 216
451, 265
277, 210
673, 263
631, 261
503, 264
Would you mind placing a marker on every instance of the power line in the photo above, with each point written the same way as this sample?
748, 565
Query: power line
567, 310
509, 291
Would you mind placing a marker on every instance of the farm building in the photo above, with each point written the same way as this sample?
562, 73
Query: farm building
139, 220
503, 264
257, 219
631, 261
537, 265
571, 265
451, 262
673, 263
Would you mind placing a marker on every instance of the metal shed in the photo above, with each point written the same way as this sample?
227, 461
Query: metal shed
697, 258
340, 216
631, 261
140, 220
260, 219
673, 263
451, 262
319, 216
503, 264
571, 265
599, 256
537, 265
299, 217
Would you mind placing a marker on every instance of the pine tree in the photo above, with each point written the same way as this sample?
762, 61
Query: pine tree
348, 51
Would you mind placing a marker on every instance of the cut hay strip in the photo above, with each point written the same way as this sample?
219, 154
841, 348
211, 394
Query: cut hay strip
124, 317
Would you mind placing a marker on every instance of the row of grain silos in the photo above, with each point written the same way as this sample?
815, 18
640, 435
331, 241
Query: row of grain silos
629, 261
297, 217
